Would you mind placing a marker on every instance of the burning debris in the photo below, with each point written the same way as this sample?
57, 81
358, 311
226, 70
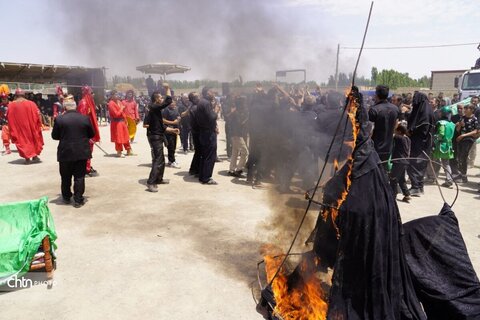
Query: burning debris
300, 294
359, 235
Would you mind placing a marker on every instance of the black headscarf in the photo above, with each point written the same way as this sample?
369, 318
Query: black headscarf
422, 112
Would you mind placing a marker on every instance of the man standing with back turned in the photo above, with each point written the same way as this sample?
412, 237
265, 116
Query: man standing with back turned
384, 116
206, 119
74, 131
25, 127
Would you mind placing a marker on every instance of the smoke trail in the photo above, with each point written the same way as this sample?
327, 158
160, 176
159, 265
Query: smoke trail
219, 39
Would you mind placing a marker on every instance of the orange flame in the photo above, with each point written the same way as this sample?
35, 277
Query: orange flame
335, 165
307, 301
352, 110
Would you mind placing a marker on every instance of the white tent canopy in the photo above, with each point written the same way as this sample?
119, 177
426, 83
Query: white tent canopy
163, 68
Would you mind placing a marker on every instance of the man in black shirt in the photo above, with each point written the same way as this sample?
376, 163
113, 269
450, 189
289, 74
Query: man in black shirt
469, 129
156, 137
171, 118
384, 116
206, 120
74, 131
238, 118
185, 127
194, 98
472, 155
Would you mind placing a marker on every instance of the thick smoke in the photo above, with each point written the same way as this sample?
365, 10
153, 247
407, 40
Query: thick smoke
219, 39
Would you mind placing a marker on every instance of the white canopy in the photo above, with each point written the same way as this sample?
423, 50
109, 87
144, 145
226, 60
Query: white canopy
163, 68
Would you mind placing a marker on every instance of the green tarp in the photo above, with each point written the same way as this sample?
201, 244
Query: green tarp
463, 102
23, 225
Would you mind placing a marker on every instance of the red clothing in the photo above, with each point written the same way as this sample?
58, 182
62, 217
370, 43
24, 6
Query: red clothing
86, 106
25, 127
119, 146
118, 125
131, 109
5, 136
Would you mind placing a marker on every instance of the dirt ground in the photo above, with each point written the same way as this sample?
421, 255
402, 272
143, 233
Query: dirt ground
187, 252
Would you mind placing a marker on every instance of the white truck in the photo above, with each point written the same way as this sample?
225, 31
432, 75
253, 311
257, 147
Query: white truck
468, 84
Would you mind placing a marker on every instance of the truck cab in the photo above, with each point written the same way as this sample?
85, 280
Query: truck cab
468, 84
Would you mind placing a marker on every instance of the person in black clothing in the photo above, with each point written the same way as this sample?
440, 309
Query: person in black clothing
308, 138
421, 123
156, 137
238, 119
384, 116
227, 107
150, 83
74, 131
194, 98
258, 116
401, 151
468, 129
185, 127
206, 120
171, 118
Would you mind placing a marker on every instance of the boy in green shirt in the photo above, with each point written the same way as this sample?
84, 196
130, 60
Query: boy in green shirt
443, 143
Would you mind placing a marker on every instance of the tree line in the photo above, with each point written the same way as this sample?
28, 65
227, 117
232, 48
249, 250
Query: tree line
392, 78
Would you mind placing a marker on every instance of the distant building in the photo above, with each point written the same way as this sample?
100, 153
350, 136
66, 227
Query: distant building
43, 78
445, 81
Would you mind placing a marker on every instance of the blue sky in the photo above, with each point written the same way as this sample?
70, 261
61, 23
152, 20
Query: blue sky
37, 35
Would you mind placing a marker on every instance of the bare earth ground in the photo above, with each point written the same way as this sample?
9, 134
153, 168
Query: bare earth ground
186, 252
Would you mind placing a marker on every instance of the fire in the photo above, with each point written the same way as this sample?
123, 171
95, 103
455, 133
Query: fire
306, 300
335, 165
351, 112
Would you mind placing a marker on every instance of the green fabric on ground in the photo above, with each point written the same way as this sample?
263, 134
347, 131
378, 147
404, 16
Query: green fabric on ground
23, 225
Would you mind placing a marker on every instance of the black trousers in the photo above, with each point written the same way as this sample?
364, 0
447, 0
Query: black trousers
254, 162
77, 170
417, 168
184, 134
454, 161
228, 138
195, 165
171, 146
463, 148
208, 149
158, 159
397, 178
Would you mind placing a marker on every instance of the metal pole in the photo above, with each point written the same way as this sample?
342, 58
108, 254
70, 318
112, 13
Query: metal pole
305, 76
336, 67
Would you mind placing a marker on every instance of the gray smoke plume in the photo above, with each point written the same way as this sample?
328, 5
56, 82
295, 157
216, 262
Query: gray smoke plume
218, 39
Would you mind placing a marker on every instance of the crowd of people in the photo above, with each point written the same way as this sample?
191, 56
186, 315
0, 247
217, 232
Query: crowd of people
277, 135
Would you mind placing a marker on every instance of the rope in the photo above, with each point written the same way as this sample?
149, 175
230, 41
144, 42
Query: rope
441, 165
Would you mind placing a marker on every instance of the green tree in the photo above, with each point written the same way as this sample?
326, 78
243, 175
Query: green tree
374, 75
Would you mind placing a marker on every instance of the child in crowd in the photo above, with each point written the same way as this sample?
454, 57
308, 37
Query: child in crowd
443, 145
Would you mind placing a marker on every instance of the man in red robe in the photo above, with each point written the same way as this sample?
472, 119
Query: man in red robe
131, 111
86, 106
4, 122
118, 126
25, 127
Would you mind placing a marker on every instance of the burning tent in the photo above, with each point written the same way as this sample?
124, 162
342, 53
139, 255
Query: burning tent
360, 236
